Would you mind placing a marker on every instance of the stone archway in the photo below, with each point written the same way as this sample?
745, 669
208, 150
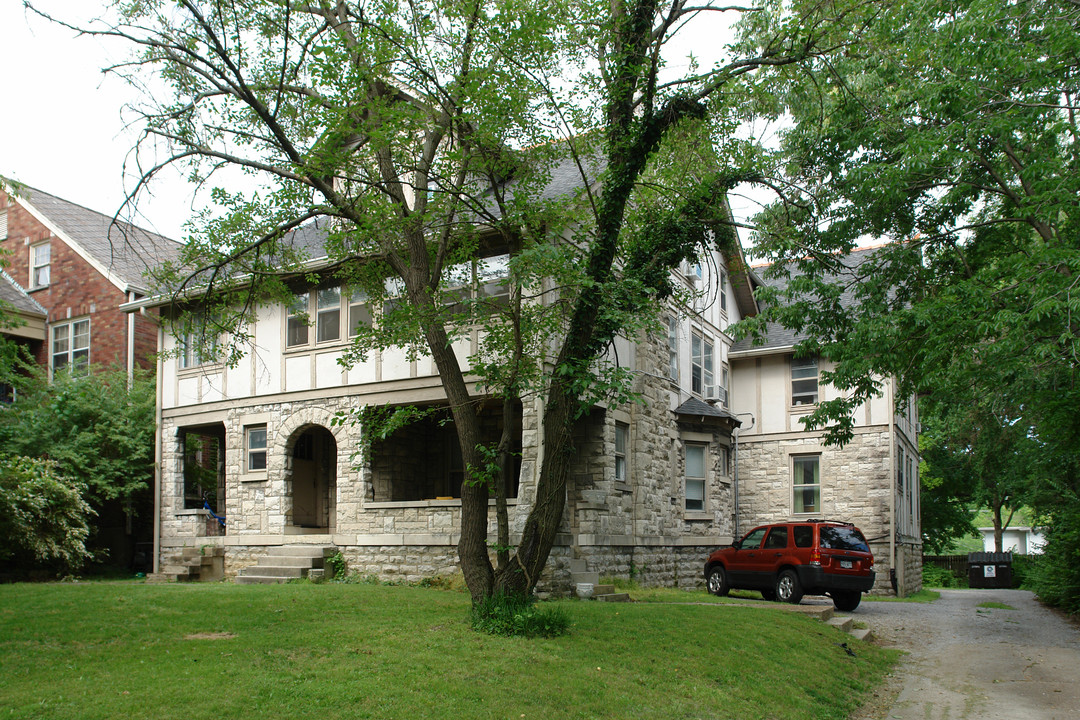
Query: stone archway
312, 479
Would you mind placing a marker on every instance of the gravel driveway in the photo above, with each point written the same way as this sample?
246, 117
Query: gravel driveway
977, 663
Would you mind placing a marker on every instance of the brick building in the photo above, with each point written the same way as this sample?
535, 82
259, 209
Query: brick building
76, 266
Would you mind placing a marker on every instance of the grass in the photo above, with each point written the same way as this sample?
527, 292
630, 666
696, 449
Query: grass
104, 650
995, 605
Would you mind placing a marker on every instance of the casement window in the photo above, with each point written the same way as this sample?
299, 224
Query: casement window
622, 435
723, 291
695, 476
296, 321
724, 383
3, 223
804, 381
328, 314
70, 347
701, 364
255, 447
724, 461
673, 348
40, 262
806, 483
198, 346
359, 312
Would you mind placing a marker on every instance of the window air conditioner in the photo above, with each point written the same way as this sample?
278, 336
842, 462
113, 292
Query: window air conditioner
716, 392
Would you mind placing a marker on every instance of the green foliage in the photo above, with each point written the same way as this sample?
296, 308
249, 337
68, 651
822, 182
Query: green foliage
518, 616
337, 566
94, 428
42, 514
938, 577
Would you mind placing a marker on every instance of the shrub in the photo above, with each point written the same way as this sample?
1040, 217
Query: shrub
337, 566
936, 576
518, 616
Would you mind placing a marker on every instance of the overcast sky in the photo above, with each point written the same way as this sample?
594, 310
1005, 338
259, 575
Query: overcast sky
61, 128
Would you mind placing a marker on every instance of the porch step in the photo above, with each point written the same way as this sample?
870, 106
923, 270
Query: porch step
205, 564
842, 623
284, 563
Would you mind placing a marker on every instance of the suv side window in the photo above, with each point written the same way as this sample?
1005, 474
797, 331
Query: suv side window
842, 538
752, 541
777, 539
804, 536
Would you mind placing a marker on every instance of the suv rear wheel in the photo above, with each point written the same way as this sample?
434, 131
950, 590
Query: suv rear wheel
788, 588
846, 600
717, 581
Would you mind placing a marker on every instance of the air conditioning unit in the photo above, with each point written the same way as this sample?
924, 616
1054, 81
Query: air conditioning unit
717, 393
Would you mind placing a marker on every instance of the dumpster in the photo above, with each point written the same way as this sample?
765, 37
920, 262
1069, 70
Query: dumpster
990, 570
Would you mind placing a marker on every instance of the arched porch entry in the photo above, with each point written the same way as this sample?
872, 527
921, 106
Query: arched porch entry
312, 452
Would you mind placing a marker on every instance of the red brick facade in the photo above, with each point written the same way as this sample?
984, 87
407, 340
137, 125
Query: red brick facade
76, 290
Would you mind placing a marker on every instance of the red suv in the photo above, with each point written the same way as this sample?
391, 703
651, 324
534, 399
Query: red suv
786, 560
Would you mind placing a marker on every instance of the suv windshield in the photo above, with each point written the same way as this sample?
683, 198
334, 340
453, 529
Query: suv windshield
839, 537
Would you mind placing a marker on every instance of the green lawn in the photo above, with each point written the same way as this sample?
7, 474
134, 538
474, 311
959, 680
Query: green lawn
130, 650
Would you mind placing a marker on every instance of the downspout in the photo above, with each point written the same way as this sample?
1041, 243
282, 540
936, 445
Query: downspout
158, 452
892, 488
131, 342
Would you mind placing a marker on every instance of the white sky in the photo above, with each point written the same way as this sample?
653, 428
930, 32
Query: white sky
61, 128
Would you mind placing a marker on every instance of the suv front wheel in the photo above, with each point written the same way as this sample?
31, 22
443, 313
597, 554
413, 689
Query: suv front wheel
788, 588
717, 581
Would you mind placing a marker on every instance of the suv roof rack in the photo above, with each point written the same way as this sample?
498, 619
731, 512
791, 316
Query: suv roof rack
821, 520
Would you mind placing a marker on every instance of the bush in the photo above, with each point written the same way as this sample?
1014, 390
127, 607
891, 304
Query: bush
337, 566
936, 576
1022, 568
518, 616
1055, 576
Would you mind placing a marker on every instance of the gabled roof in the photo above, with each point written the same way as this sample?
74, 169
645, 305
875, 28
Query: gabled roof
778, 337
121, 252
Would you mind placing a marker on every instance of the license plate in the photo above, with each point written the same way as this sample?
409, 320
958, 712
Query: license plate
846, 564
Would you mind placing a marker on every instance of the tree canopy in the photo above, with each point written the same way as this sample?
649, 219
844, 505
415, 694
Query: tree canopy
424, 135
949, 133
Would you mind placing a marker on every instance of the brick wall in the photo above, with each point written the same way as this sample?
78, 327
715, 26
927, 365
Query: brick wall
76, 290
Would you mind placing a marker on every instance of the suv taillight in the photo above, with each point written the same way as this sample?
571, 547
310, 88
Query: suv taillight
815, 558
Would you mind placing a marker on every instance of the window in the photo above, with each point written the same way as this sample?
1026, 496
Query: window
3, 223
296, 323
804, 535
359, 312
724, 461
804, 381
255, 447
695, 477
701, 364
806, 483
71, 346
198, 347
724, 384
723, 291
673, 348
777, 539
328, 320
622, 433
40, 260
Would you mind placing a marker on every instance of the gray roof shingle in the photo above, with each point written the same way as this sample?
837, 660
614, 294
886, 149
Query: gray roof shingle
124, 250
14, 295
779, 337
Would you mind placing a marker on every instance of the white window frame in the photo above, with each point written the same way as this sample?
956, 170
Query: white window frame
800, 369
723, 292
192, 346
72, 331
327, 314
358, 311
673, 347
256, 444
37, 267
622, 443
695, 481
798, 487
702, 363
297, 315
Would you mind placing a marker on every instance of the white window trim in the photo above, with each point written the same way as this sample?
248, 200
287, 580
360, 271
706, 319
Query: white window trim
34, 267
69, 325
249, 450
344, 309
624, 455
806, 407
792, 457
707, 362
706, 455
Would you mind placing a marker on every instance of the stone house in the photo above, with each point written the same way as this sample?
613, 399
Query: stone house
787, 472
77, 267
658, 485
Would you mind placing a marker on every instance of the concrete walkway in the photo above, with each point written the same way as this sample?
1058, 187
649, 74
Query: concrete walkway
967, 662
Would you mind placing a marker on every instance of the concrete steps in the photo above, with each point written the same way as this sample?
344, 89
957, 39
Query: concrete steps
206, 564
579, 574
284, 563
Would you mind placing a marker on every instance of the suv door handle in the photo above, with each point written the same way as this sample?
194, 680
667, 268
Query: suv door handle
779, 554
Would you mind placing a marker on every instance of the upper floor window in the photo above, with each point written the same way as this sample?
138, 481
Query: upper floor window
806, 483
701, 364
622, 433
40, 261
296, 321
71, 346
804, 381
695, 476
3, 223
359, 312
199, 346
723, 291
328, 314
